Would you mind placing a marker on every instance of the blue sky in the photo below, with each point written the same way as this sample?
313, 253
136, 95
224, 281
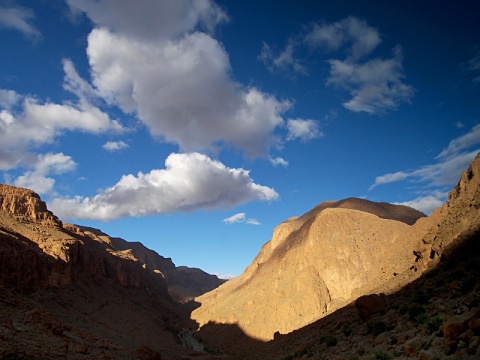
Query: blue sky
196, 127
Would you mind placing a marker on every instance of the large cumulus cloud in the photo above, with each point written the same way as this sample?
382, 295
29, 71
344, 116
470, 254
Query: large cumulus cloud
176, 77
189, 182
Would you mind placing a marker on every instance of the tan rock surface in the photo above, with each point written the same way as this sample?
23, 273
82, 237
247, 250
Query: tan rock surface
313, 265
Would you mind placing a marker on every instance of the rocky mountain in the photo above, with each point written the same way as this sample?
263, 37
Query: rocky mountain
73, 292
325, 259
183, 283
313, 265
349, 279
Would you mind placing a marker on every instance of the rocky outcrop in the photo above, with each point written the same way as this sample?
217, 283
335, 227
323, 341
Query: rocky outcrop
26, 205
368, 305
456, 220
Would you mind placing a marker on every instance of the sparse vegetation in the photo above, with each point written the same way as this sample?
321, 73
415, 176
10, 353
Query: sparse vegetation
329, 340
376, 327
393, 340
416, 313
380, 356
432, 324
347, 330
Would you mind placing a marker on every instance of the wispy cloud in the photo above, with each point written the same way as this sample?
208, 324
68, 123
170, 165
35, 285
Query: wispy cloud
27, 124
285, 61
359, 37
189, 182
426, 203
304, 130
39, 178
114, 146
450, 163
278, 161
20, 19
375, 85
473, 65
240, 218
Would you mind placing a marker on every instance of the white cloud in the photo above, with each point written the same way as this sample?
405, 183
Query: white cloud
75, 84
390, 178
38, 179
361, 38
428, 203
304, 130
447, 172
451, 162
35, 124
375, 86
115, 145
240, 218
152, 20
224, 276
176, 79
252, 222
8, 98
278, 161
19, 18
285, 61
461, 143
443, 173
189, 182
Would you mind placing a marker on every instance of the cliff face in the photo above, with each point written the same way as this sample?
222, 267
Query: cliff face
68, 290
328, 257
39, 251
26, 205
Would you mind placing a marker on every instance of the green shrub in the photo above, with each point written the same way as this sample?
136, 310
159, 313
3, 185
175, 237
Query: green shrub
432, 325
376, 327
393, 340
416, 312
347, 330
421, 297
329, 340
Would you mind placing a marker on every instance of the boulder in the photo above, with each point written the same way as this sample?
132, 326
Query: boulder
368, 305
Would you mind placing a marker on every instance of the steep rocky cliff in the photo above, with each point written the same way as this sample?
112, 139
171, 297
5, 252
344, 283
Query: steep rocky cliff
73, 292
326, 258
26, 205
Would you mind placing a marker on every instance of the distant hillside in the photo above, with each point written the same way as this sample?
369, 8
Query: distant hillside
184, 283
